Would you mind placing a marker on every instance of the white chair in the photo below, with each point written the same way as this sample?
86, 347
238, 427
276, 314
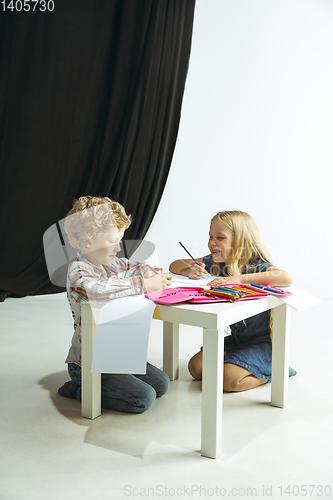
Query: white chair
114, 339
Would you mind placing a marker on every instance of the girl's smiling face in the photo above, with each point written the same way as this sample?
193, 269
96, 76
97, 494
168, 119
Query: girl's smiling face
221, 242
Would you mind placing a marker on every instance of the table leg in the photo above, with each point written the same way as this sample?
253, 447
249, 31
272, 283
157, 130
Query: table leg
171, 349
90, 382
280, 356
212, 393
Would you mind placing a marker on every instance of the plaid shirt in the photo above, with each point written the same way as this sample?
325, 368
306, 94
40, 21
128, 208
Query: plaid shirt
88, 282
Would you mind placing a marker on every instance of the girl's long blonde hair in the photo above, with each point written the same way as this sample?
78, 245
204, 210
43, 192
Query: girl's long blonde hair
248, 244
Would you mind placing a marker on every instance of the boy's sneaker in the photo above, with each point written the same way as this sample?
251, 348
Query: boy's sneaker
69, 390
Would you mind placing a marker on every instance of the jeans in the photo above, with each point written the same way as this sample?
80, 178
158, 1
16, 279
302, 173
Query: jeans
127, 393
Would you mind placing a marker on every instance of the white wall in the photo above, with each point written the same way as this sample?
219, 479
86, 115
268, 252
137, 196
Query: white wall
256, 134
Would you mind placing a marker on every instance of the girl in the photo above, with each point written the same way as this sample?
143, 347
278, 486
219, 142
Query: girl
238, 255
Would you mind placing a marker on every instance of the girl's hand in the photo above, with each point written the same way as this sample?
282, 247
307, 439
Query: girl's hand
225, 280
157, 282
196, 272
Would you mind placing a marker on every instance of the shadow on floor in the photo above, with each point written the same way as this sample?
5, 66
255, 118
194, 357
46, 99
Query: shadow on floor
126, 433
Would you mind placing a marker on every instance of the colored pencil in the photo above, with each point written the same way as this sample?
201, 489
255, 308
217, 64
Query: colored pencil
189, 253
274, 290
259, 291
224, 289
241, 291
217, 293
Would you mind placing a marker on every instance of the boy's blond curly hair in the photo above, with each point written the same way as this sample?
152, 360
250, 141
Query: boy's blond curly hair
91, 217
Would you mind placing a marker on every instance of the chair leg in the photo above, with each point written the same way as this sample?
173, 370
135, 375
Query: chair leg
90, 382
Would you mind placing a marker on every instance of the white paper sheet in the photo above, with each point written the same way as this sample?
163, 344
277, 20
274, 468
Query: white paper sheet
122, 334
178, 280
300, 299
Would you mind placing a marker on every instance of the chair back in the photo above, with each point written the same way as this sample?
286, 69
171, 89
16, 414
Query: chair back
122, 334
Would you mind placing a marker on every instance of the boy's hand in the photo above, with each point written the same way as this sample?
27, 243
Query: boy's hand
149, 274
196, 272
157, 282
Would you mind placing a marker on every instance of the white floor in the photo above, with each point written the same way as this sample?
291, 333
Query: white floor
48, 452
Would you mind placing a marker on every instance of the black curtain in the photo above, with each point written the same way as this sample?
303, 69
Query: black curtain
90, 101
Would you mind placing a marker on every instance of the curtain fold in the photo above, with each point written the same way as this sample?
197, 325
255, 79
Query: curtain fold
90, 103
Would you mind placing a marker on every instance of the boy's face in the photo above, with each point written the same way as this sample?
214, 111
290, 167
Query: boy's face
103, 250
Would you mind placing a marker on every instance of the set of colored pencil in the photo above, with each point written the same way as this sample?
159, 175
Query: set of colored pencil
231, 295
236, 290
233, 292
244, 290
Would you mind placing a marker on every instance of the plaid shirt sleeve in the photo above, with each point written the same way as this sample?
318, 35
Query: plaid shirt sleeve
132, 268
121, 279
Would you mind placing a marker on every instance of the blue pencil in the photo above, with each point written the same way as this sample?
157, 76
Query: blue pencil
267, 288
258, 286
189, 253
272, 290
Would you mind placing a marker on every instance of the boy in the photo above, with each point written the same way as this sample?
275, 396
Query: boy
95, 227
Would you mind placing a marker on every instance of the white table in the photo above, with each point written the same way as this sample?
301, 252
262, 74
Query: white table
213, 318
